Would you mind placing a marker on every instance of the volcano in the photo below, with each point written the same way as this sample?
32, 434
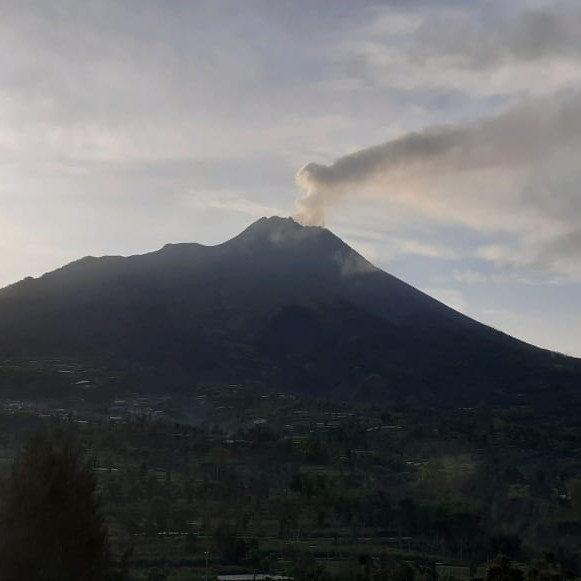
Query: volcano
281, 306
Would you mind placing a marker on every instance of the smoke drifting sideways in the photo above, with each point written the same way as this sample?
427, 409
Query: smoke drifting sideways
324, 184
521, 138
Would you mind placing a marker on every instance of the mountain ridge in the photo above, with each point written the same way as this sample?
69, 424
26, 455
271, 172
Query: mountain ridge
281, 305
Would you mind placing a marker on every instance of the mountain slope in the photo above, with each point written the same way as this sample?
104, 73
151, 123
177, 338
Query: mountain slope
281, 305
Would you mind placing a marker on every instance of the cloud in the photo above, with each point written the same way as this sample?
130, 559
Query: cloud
528, 34
409, 246
238, 204
477, 277
473, 48
470, 276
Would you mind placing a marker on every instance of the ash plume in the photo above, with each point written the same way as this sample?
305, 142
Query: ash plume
521, 138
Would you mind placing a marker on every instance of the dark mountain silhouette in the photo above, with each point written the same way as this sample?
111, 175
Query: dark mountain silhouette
280, 305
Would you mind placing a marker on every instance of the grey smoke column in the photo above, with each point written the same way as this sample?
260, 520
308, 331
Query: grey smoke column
323, 183
522, 137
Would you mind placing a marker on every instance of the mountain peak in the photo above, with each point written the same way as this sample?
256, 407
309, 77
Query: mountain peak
281, 304
277, 230
276, 224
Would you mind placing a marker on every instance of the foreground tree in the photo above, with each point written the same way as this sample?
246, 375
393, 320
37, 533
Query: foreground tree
50, 527
502, 569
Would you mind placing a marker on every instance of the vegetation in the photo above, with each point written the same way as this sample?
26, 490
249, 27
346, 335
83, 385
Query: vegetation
50, 525
299, 487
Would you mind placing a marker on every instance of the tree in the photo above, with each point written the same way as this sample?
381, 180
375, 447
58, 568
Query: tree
50, 525
228, 545
502, 569
307, 569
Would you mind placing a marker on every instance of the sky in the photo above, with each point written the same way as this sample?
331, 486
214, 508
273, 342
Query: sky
441, 139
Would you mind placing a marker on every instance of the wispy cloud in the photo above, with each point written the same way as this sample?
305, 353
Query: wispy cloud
494, 48
238, 204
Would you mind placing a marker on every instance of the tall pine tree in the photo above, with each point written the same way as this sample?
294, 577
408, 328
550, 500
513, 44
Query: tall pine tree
50, 526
